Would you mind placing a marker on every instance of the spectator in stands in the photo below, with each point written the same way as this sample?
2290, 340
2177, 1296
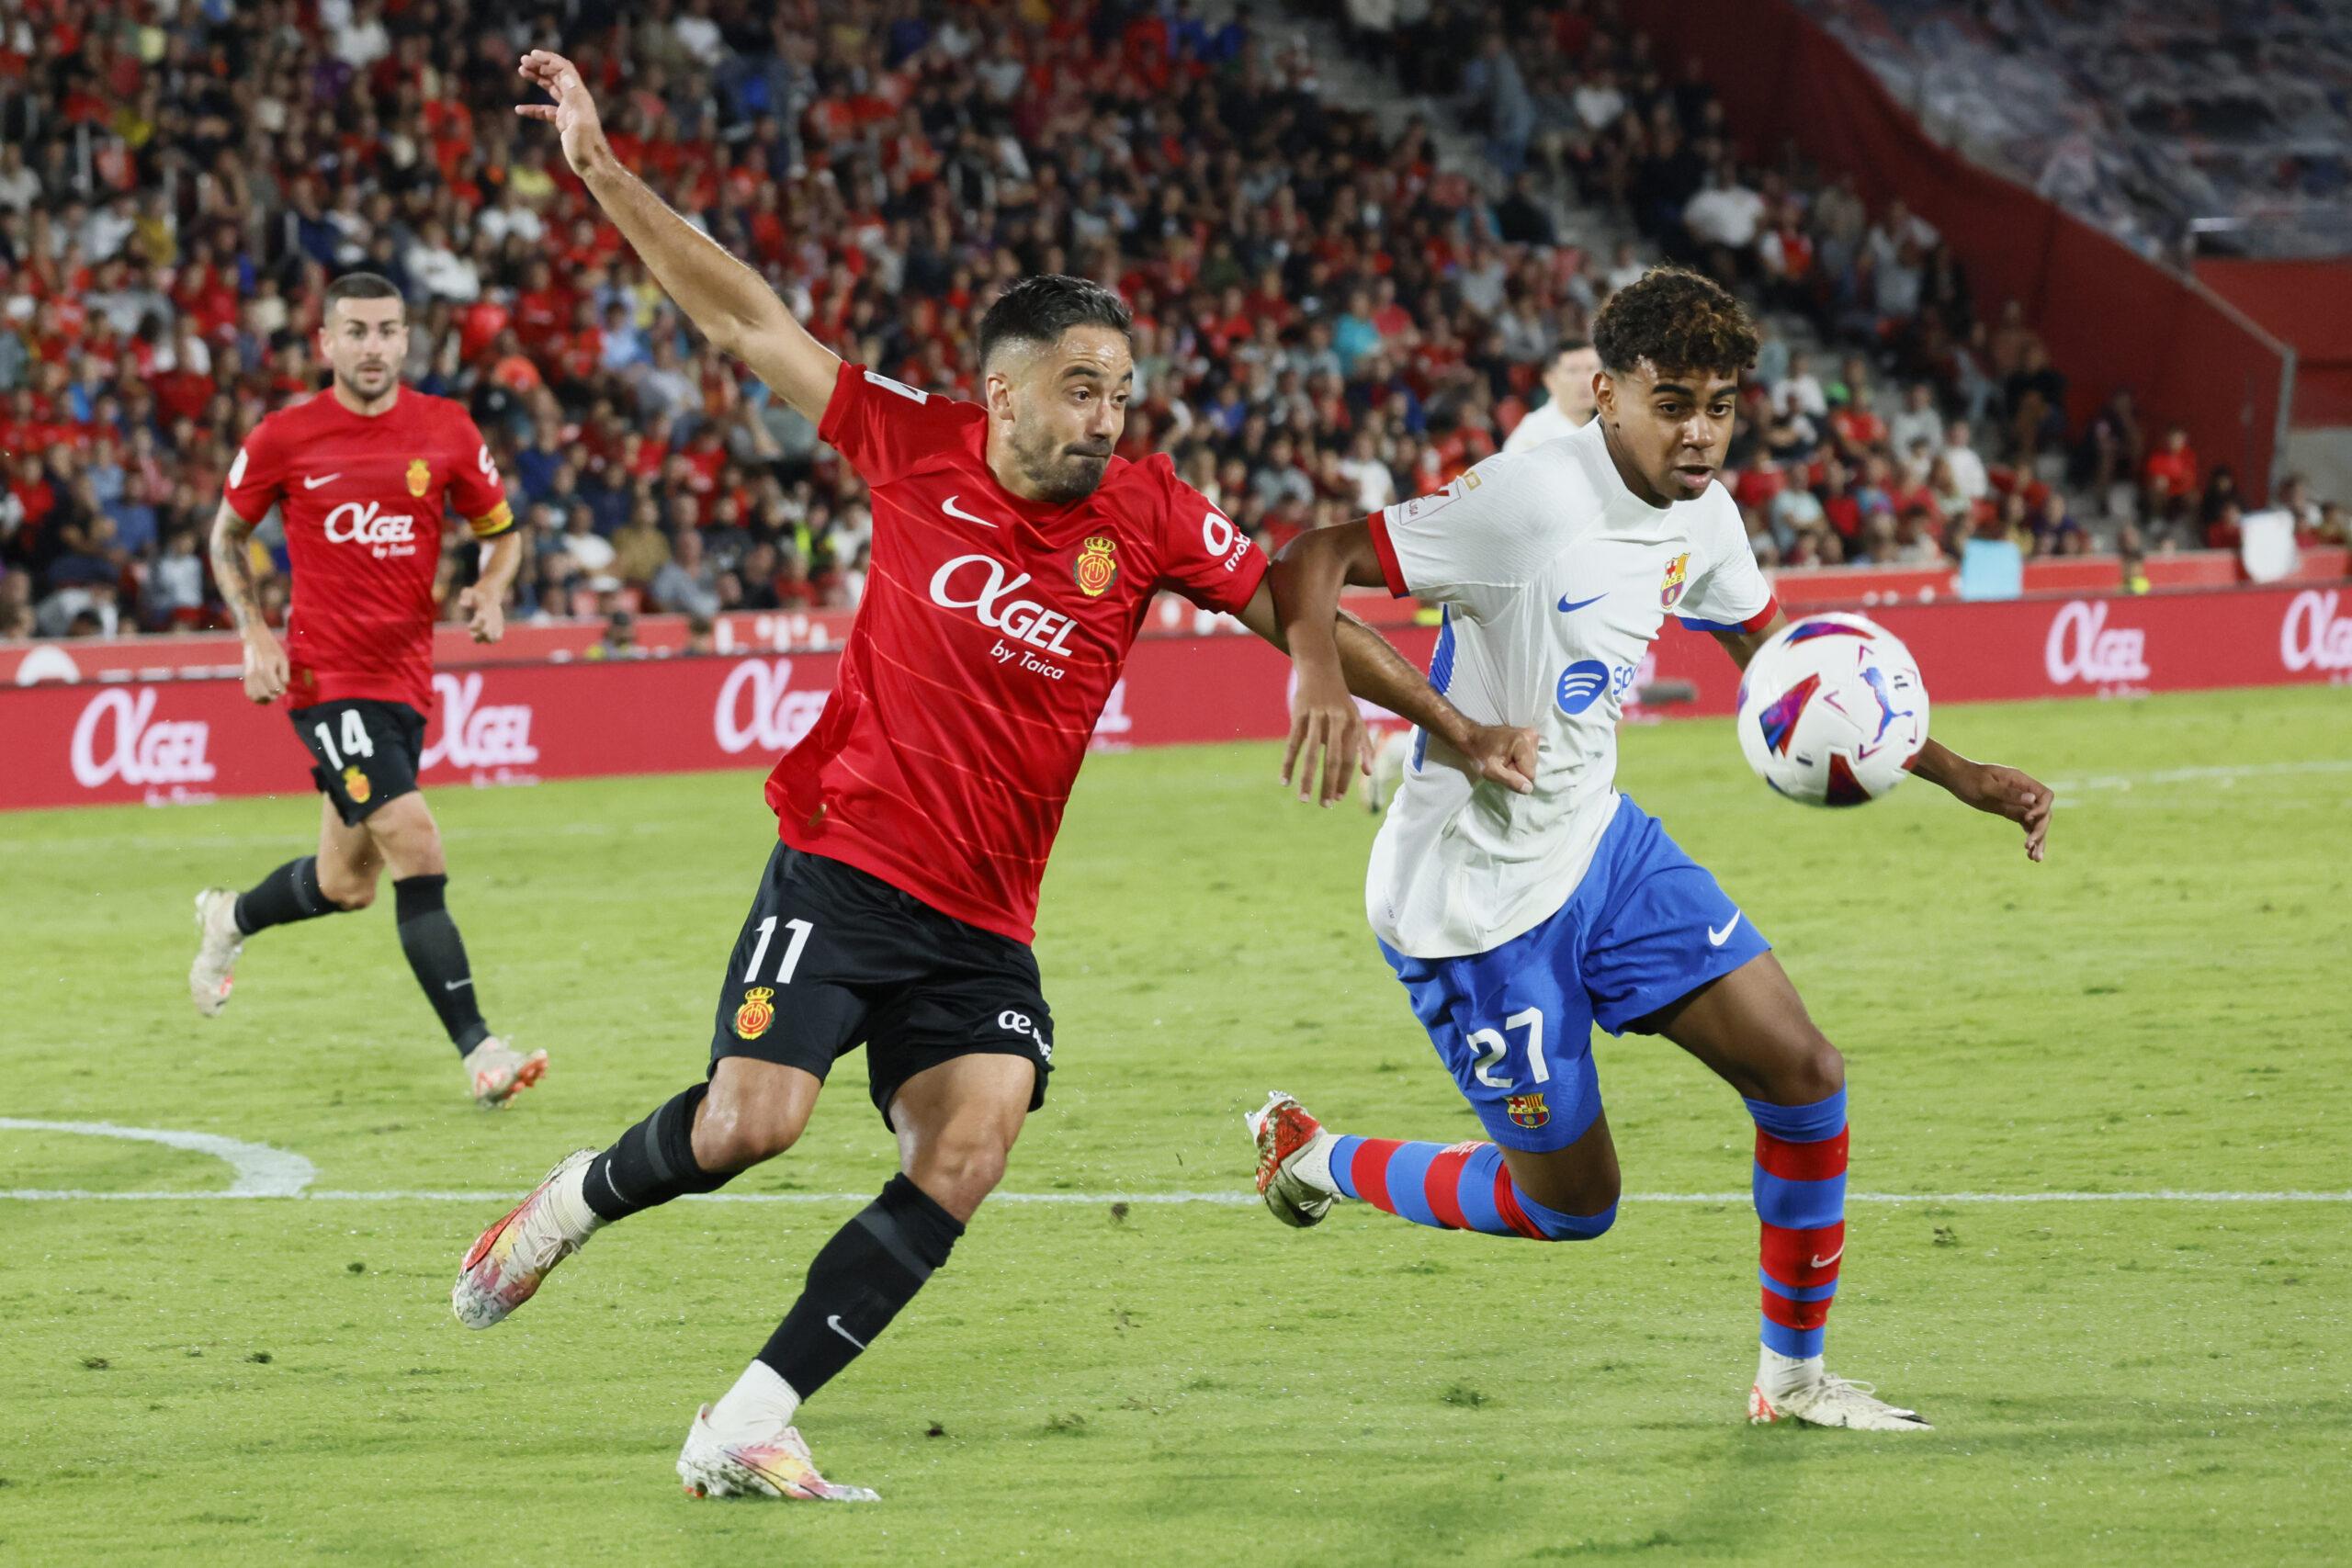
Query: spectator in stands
1918, 420
1969, 476
1567, 383
687, 583
2170, 477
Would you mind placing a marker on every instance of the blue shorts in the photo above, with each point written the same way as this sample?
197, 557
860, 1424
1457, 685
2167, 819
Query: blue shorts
1646, 927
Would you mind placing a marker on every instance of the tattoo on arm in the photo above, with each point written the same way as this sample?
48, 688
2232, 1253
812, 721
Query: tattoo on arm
232, 568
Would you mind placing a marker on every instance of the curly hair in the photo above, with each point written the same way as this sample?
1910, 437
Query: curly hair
1677, 321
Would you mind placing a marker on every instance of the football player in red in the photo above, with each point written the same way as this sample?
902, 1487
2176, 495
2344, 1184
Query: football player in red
361, 475
1014, 559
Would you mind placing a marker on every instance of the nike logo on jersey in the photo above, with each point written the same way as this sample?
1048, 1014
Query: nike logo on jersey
834, 1322
1717, 938
949, 507
1568, 609
1826, 1262
309, 483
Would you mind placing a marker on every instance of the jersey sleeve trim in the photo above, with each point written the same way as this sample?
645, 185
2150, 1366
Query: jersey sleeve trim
829, 423
1386, 548
494, 522
1252, 573
1755, 623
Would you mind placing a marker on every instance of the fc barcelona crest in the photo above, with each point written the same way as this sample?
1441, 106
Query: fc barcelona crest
1095, 570
1527, 1110
420, 477
1671, 590
356, 784
752, 1020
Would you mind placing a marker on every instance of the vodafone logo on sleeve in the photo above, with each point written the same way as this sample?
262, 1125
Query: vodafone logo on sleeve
475, 733
2083, 647
367, 523
118, 737
758, 707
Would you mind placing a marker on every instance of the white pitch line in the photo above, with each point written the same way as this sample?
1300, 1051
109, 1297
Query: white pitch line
261, 1171
44, 1195
2224, 774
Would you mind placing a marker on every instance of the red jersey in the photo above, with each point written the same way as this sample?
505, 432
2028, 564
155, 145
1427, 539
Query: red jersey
992, 632
362, 498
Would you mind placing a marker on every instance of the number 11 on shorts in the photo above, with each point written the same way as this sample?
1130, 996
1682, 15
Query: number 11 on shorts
791, 959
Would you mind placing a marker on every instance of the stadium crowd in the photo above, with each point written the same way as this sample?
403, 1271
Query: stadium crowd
1325, 321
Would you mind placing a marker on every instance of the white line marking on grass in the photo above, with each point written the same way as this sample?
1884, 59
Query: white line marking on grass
2223, 775
507, 1195
262, 1171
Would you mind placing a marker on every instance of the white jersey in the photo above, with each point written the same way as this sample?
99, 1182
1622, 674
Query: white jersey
1554, 579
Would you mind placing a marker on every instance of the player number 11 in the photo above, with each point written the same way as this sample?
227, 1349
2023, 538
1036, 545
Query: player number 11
791, 959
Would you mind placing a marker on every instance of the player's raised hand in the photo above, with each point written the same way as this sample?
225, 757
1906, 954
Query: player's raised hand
2014, 794
1326, 739
485, 615
573, 113
1502, 754
266, 672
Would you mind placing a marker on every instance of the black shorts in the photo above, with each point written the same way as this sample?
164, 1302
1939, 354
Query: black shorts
831, 958
366, 752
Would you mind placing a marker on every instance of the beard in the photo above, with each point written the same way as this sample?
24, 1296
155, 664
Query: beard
1061, 475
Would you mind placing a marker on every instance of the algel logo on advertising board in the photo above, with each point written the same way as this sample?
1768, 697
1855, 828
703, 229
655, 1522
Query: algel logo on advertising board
757, 706
2083, 647
119, 737
479, 735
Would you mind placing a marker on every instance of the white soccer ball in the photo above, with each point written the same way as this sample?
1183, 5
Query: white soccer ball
1832, 711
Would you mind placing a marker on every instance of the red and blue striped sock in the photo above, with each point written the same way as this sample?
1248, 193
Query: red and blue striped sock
1454, 1187
1801, 1199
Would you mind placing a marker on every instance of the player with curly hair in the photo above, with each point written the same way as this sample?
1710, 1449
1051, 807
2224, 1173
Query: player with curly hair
1517, 922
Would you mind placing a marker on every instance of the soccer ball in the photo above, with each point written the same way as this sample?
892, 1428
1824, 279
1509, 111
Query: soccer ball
1832, 711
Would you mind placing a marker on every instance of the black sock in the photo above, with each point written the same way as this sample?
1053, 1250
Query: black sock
438, 954
652, 1162
857, 1283
288, 894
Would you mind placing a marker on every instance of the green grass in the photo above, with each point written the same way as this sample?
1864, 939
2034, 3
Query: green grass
2164, 1005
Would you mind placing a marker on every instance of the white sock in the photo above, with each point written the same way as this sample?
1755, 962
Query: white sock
1314, 1166
761, 1402
1777, 1374
569, 1198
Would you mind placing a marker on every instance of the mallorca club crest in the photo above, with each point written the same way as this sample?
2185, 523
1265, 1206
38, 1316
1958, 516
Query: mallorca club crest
1095, 570
356, 784
752, 1020
1669, 592
420, 477
1527, 1110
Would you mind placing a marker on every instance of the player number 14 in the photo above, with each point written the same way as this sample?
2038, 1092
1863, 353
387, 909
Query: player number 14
355, 739
791, 959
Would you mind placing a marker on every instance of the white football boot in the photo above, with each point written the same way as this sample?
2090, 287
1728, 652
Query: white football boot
496, 1071
772, 1463
1830, 1400
218, 943
509, 1262
1293, 1160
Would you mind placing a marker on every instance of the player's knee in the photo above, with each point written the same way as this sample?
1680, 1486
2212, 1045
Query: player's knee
729, 1136
959, 1173
344, 890
1819, 1072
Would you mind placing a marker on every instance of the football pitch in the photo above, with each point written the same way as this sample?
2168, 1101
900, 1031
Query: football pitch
2102, 1140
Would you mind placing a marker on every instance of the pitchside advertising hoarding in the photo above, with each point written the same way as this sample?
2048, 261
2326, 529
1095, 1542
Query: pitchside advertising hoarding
170, 740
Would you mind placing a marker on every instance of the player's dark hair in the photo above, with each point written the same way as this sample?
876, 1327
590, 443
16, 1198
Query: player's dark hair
1039, 310
361, 286
1677, 321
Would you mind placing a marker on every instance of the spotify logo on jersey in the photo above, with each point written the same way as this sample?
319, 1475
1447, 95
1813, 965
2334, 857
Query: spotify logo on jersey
1581, 684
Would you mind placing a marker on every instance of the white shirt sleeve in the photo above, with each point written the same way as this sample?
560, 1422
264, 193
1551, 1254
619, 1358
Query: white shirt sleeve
1729, 591
1478, 541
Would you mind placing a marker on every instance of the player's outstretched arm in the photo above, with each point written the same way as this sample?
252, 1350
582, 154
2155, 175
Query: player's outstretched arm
232, 569
1989, 786
1340, 659
731, 304
484, 604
